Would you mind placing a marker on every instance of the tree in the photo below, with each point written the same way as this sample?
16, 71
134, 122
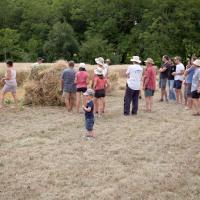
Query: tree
61, 42
9, 45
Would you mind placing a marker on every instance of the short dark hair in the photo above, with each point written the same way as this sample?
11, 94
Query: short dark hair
166, 57
71, 63
9, 62
82, 69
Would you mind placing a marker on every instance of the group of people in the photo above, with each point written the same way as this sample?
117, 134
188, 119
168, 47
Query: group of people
183, 82
77, 86
172, 73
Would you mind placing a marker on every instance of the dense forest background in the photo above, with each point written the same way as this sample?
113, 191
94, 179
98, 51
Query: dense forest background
84, 29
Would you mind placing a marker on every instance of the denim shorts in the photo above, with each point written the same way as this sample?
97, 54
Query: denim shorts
149, 93
188, 89
89, 123
163, 83
177, 84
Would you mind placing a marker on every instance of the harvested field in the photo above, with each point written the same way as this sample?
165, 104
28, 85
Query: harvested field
44, 155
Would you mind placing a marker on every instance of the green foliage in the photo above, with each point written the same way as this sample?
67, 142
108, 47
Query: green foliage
116, 28
9, 45
61, 42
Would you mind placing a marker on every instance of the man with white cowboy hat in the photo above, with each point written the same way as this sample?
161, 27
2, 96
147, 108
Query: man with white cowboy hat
196, 88
134, 74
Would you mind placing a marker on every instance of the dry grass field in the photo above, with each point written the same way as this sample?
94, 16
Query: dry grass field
44, 155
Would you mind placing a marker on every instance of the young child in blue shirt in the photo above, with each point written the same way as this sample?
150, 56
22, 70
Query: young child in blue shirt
89, 113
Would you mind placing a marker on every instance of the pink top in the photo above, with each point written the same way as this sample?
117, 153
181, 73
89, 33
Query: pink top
81, 79
100, 83
149, 79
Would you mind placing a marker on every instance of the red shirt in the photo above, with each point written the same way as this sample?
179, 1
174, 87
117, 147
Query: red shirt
149, 79
81, 79
100, 83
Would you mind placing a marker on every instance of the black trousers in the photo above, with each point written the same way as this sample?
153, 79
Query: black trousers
131, 96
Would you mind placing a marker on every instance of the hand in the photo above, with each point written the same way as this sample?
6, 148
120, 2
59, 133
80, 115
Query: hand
174, 73
198, 91
3, 80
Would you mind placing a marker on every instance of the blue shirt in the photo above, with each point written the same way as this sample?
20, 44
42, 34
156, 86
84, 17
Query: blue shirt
89, 115
189, 77
68, 77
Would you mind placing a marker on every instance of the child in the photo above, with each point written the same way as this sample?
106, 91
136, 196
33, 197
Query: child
89, 112
10, 84
100, 85
81, 81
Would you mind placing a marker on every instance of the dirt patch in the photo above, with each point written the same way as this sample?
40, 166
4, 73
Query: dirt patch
154, 156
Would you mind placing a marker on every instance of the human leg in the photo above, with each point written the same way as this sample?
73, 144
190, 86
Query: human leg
127, 100
78, 97
135, 98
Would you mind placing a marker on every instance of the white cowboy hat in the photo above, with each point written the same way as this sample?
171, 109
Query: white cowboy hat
136, 59
99, 61
197, 62
98, 71
149, 60
82, 65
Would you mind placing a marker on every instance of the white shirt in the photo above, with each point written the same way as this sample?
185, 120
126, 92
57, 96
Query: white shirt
35, 65
180, 67
135, 74
105, 70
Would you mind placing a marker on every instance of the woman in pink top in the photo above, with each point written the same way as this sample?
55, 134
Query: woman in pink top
100, 85
149, 83
81, 80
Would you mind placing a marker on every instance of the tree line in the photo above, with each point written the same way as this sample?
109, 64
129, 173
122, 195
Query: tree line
82, 30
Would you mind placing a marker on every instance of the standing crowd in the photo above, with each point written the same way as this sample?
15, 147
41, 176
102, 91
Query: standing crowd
183, 83
183, 86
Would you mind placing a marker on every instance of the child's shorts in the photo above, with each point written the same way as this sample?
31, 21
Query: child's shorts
89, 123
100, 93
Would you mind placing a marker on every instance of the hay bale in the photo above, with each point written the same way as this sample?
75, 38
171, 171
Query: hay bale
45, 88
113, 82
35, 71
33, 93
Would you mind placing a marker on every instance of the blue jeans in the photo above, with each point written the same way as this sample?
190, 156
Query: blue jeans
172, 95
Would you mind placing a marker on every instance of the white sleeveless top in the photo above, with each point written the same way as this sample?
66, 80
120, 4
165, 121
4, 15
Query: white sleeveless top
12, 81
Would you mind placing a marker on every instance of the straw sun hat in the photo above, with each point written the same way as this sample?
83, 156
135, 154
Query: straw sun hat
197, 62
136, 59
82, 65
99, 61
98, 71
149, 60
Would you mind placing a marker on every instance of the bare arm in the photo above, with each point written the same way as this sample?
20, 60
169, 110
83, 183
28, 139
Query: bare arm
87, 109
8, 75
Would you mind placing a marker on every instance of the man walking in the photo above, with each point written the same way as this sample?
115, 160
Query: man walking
134, 74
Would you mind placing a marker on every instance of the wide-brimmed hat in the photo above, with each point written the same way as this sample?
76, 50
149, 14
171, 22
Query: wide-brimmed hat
108, 60
99, 61
136, 59
89, 92
197, 62
98, 71
82, 65
149, 60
